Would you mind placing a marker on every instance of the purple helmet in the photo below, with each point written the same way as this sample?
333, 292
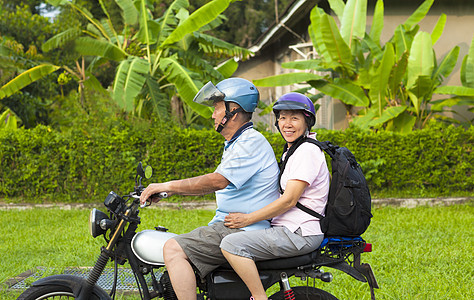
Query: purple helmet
296, 101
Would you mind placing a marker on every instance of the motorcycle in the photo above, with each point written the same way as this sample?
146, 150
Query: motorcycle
144, 252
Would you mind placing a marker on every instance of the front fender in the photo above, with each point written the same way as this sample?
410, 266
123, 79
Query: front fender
75, 283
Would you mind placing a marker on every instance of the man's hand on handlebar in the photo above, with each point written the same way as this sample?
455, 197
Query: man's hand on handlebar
153, 193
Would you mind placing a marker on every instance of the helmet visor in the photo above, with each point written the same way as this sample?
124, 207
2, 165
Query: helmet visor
208, 95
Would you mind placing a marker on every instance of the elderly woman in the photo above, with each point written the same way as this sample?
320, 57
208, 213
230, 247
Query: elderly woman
305, 179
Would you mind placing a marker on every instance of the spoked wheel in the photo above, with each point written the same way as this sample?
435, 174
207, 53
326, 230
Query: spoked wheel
305, 292
48, 292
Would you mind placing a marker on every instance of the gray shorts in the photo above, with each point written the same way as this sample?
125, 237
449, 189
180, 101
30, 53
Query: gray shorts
202, 246
270, 243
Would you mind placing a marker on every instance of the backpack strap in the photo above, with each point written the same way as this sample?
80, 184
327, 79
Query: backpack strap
327, 147
309, 211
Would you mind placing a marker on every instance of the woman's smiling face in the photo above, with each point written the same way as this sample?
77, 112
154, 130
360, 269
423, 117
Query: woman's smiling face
292, 125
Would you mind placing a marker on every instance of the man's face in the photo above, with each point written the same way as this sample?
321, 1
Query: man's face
219, 113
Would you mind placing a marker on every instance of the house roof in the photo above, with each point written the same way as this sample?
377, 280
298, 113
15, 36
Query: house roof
297, 10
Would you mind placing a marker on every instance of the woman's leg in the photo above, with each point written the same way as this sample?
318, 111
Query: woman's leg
247, 270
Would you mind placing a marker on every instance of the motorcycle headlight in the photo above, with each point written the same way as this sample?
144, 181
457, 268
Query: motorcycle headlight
95, 219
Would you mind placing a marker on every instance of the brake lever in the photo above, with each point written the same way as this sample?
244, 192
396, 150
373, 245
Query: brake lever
161, 195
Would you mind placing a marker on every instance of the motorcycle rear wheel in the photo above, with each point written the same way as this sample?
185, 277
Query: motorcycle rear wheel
305, 292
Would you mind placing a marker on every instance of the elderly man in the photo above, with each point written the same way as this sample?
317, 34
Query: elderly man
244, 181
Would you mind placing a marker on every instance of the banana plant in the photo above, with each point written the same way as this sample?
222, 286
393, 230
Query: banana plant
459, 95
392, 84
173, 55
8, 120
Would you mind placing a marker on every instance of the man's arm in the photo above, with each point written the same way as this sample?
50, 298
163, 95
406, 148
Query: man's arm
199, 185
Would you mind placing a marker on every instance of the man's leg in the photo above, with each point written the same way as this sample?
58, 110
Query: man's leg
180, 270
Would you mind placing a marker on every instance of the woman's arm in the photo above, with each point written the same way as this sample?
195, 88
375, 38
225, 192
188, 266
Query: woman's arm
294, 189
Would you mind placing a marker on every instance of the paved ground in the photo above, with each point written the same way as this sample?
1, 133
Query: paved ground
402, 202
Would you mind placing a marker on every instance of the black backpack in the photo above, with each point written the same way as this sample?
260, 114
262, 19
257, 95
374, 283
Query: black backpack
348, 208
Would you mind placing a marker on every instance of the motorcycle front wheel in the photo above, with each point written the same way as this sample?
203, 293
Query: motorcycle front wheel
51, 292
305, 292
47, 292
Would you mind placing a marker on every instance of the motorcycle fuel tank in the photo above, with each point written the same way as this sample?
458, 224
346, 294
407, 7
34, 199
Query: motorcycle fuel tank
148, 245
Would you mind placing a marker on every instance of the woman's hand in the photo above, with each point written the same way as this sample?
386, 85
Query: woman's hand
237, 220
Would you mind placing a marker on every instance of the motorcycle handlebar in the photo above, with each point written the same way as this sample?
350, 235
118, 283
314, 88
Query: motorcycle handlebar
159, 195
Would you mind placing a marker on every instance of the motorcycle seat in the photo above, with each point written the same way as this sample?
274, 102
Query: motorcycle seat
329, 245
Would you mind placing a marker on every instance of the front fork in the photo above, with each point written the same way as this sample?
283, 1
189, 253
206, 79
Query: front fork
102, 261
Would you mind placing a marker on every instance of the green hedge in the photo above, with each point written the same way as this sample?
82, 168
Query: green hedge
42, 164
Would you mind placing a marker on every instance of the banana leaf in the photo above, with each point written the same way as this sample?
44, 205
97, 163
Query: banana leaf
377, 22
353, 20
438, 105
57, 2
83, 11
93, 84
148, 30
129, 11
403, 39
93, 47
343, 90
397, 74
375, 50
61, 38
380, 79
228, 68
338, 7
26, 78
446, 66
168, 21
217, 46
286, 79
455, 90
438, 29
129, 80
467, 70
316, 34
185, 85
421, 88
421, 59
403, 123
8, 120
335, 44
202, 16
419, 13
363, 120
388, 114
310, 64
158, 98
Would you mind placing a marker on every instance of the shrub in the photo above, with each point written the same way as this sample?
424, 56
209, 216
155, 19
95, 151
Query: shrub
84, 165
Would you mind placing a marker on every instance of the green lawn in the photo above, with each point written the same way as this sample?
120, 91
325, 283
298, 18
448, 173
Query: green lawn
418, 253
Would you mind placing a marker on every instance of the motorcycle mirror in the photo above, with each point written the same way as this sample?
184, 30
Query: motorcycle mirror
148, 172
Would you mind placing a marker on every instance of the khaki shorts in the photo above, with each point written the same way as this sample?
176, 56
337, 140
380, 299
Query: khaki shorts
202, 246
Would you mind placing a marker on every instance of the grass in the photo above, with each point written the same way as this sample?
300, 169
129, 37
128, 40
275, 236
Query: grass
419, 253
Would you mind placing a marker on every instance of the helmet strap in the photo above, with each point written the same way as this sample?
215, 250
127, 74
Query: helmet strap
228, 115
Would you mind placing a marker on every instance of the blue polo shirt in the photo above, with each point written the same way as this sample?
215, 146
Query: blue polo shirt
249, 163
